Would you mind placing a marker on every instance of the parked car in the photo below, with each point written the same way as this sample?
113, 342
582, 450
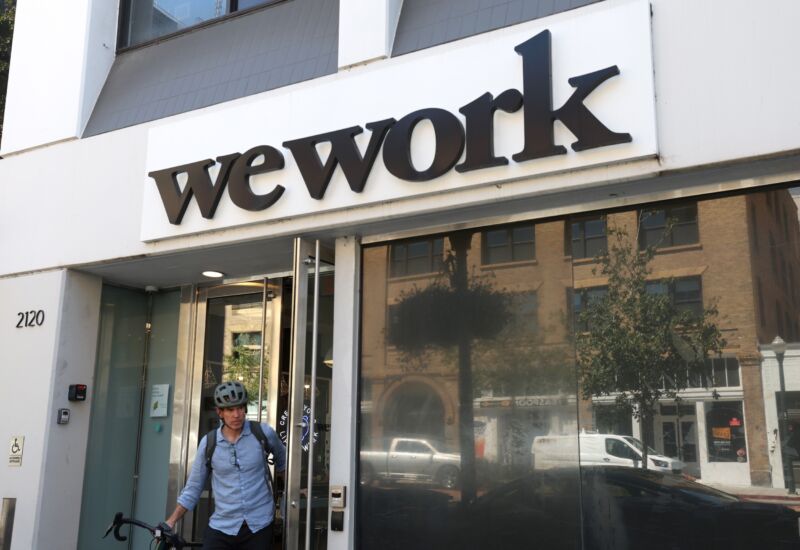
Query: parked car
411, 459
598, 450
626, 509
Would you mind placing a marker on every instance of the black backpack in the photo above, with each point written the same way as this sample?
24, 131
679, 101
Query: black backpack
255, 428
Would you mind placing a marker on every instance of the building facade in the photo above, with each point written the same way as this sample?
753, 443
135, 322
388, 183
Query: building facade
404, 202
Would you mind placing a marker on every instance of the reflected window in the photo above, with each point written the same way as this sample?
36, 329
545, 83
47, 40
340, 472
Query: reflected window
585, 237
726, 432
669, 226
685, 293
509, 244
578, 299
618, 448
416, 257
145, 20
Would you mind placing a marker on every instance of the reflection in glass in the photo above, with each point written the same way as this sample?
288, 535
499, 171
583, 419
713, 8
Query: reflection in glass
144, 20
461, 372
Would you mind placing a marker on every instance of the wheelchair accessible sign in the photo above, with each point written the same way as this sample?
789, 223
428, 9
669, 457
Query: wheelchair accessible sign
15, 447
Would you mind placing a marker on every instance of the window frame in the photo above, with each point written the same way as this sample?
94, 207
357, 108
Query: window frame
510, 243
667, 239
125, 9
570, 240
431, 256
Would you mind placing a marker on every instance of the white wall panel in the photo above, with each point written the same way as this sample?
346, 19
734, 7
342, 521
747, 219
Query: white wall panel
61, 55
726, 79
39, 363
366, 30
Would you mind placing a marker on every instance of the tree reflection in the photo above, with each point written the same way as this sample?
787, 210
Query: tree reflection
638, 345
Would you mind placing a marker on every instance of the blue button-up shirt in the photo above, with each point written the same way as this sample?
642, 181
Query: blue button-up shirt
238, 480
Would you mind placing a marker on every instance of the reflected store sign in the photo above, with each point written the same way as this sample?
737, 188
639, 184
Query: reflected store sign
586, 93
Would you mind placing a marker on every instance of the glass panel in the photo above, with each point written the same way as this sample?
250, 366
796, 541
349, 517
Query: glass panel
523, 251
481, 372
726, 432
498, 255
670, 439
116, 413
111, 456
732, 368
151, 494
522, 233
232, 351
145, 20
322, 403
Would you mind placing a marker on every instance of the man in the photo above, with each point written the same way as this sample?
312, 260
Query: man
243, 502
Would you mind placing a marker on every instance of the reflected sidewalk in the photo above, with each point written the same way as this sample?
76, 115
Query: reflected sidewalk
774, 495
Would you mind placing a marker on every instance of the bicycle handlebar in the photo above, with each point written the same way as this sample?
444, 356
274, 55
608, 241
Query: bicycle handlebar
161, 531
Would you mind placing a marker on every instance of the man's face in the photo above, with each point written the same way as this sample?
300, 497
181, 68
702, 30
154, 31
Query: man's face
233, 417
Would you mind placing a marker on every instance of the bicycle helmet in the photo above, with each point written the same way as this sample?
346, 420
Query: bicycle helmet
230, 394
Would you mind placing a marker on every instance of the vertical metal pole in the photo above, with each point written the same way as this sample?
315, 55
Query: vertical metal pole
7, 522
312, 399
785, 426
263, 345
297, 377
148, 328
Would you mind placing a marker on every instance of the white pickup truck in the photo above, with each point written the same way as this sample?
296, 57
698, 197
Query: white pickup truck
412, 460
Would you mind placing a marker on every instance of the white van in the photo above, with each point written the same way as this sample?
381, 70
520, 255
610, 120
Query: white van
561, 451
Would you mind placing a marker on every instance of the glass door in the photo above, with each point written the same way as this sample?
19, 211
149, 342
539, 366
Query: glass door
237, 326
308, 473
275, 336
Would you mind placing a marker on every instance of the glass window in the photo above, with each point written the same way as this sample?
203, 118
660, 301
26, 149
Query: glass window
668, 226
585, 237
685, 293
509, 244
465, 375
145, 20
579, 298
416, 257
726, 433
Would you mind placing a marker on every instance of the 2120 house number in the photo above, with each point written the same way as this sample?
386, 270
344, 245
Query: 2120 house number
32, 318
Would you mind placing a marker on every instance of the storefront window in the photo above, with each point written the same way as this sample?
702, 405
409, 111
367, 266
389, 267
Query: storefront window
726, 432
471, 396
470, 365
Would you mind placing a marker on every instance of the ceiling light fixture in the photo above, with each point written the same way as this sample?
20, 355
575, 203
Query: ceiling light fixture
213, 274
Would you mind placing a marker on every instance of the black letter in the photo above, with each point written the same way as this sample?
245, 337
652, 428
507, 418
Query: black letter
198, 183
449, 145
538, 105
343, 151
480, 128
239, 186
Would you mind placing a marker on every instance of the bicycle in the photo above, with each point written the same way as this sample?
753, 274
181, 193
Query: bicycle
165, 538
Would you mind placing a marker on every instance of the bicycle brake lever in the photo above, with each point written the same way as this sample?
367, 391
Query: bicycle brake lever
117, 517
117, 534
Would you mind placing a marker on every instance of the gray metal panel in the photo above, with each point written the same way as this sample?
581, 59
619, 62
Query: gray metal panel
280, 45
426, 23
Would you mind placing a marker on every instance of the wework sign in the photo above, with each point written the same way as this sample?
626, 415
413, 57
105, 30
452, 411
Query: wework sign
457, 145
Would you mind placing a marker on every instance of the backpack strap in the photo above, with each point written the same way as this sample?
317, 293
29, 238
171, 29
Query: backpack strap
211, 444
266, 451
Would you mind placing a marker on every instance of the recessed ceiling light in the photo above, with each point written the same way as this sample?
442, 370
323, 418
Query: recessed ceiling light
213, 274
